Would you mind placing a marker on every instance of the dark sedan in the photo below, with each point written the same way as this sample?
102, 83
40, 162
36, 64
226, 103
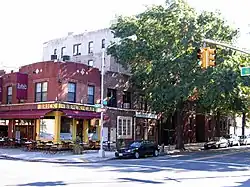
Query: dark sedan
138, 149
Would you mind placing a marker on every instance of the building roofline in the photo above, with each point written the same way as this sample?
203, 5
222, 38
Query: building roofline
87, 32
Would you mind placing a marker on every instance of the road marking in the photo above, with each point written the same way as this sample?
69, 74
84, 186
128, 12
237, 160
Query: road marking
214, 162
178, 162
219, 155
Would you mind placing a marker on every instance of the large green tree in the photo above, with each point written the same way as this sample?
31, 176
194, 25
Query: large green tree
163, 59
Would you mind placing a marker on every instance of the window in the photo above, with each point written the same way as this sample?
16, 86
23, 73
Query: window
41, 91
65, 125
103, 43
55, 51
124, 127
9, 94
143, 104
91, 46
71, 92
91, 95
112, 101
76, 49
63, 50
209, 124
126, 99
91, 63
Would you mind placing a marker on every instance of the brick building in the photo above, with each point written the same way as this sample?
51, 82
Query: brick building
50, 100
56, 101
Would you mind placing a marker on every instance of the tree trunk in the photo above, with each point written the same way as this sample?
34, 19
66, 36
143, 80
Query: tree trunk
243, 123
179, 128
217, 129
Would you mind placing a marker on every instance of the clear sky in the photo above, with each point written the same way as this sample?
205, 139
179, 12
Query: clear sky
26, 24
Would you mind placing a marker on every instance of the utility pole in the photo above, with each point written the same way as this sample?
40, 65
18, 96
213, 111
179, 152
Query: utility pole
244, 72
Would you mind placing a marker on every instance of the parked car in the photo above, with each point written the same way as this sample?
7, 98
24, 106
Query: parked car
216, 142
244, 140
232, 140
138, 149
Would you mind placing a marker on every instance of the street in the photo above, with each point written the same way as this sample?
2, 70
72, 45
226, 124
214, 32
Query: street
217, 168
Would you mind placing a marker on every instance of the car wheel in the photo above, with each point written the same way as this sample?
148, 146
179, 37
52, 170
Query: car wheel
137, 155
156, 153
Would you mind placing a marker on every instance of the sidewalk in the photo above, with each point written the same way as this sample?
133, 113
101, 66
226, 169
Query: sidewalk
60, 157
88, 156
192, 147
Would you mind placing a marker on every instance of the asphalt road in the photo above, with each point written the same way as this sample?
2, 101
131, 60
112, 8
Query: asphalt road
216, 168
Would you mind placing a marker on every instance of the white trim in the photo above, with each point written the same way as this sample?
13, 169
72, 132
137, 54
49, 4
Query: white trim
131, 126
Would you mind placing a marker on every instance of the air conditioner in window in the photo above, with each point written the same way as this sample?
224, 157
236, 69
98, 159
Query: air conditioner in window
65, 58
53, 57
126, 105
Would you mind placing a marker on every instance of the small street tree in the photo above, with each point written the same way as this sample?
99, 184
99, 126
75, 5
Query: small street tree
163, 59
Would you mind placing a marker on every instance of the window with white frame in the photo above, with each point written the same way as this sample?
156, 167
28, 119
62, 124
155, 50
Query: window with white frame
9, 94
41, 91
124, 127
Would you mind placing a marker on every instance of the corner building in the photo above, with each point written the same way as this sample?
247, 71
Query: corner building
51, 101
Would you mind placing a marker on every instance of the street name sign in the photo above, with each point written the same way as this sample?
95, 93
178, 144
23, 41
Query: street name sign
245, 71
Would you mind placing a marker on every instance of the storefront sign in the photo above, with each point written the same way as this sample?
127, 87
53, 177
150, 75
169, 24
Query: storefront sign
65, 106
1, 89
145, 115
21, 86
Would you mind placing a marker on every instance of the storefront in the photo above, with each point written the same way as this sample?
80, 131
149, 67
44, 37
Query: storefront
146, 126
54, 122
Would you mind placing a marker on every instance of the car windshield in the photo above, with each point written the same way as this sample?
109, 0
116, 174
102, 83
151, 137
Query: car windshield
242, 137
135, 144
216, 138
228, 136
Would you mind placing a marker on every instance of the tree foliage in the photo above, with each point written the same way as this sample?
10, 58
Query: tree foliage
163, 59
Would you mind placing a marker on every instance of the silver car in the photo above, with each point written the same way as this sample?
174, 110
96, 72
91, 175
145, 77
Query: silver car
233, 140
216, 142
244, 140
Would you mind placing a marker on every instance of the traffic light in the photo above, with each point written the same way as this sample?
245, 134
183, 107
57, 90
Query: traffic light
202, 56
211, 57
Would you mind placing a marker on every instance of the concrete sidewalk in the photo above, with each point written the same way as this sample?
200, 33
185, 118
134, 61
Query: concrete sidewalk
192, 147
88, 156
60, 157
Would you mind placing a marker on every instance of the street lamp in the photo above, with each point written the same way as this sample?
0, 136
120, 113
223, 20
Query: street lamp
101, 151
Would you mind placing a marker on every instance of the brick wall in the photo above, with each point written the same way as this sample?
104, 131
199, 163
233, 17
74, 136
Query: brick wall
57, 74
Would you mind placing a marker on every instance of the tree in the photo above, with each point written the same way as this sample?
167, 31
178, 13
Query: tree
163, 59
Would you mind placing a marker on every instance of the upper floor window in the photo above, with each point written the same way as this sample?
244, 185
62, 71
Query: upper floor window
143, 104
91, 63
63, 50
71, 92
103, 43
76, 49
41, 91
112, 99
9, 94
91, 95
91, 47
126, 99
55, 51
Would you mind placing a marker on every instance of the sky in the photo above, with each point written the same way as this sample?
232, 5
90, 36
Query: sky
25, 25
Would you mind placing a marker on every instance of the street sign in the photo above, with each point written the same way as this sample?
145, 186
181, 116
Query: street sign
245, 71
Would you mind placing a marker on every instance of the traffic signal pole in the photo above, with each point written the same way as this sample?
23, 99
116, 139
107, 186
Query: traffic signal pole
224, 45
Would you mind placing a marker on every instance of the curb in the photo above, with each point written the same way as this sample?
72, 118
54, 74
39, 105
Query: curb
54, 161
